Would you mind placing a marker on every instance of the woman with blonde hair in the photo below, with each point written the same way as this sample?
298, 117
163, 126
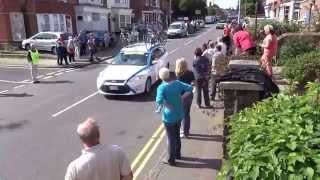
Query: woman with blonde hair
270, 48
185, 75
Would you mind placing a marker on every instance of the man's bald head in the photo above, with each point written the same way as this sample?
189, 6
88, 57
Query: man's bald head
88, 132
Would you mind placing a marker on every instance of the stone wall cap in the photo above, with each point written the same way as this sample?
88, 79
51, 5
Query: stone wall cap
240, 85
240, 64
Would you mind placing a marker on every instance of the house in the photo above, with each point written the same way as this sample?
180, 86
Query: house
290, 10
28, 17
121, 14
92, 15
147, 11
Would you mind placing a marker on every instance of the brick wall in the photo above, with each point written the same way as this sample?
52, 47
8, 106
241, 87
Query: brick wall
138, 6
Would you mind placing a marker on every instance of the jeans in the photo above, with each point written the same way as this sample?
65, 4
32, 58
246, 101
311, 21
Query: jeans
213, 86
92, 54
186, 102
202, 85
34, 72
83, 47
174, 141
61, 58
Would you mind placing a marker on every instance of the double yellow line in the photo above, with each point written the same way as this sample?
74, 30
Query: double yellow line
147, 151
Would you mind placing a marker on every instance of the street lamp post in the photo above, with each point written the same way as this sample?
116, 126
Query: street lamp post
239, 12
310, 13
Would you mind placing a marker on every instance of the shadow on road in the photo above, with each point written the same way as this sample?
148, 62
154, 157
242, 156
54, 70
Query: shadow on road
13, 126
56, 82
204, 137
18, 95
190, 162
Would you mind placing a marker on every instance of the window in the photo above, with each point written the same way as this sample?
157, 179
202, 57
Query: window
95, 16
80, 18
122, 21
44, 22
157, 54
55, 23
62, 23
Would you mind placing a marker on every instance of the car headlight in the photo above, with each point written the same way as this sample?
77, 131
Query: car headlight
138, 78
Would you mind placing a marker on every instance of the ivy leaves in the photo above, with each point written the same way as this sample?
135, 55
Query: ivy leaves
278, 138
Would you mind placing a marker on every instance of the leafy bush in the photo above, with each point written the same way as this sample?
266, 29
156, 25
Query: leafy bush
303, 68
293, 48
278, 138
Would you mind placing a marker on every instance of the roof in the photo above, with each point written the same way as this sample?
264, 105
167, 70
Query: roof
139, 48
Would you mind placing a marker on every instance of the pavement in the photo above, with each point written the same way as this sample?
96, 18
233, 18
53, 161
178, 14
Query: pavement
49, 61
38, 121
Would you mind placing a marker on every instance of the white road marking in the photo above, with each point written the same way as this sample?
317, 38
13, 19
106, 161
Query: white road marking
75, 104
71, 70
18, 86
58, 74
171, 52
4, 91
41, 76
189, 42
49, 74
48, 77
61, 70
13, 82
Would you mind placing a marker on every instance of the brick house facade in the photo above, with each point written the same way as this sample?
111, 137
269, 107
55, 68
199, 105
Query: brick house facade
151, 11
24, 18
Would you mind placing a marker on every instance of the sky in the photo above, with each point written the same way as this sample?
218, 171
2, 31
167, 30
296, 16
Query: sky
226, 3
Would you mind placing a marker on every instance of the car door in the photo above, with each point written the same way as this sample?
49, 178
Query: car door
37, 41
46, 41
156, 64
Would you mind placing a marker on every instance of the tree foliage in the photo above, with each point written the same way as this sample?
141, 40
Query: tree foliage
188, 7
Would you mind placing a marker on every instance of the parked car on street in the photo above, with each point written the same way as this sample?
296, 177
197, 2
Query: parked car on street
134, 70
201, 23
209, 19
45, 41
220, 25
177, 29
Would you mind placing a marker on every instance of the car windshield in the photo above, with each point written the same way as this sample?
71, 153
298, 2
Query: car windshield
175, 26
130, 59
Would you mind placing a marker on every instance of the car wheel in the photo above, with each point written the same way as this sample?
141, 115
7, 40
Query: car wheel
54, 50
148, 86
27, 47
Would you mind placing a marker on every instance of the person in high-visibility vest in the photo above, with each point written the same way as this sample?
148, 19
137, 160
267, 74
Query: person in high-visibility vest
33, 58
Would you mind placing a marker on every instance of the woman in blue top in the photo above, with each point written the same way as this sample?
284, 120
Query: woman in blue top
169, 96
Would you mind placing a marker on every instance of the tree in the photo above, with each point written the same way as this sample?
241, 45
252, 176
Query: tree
188, 7
248, 7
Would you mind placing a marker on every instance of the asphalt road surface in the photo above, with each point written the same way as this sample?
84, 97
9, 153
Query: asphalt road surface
38, 121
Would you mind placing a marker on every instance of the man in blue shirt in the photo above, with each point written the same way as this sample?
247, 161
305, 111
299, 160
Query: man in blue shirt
169, 95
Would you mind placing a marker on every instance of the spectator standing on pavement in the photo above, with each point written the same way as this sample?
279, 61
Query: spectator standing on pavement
219, 63
270, 48
97, 161
71, 49
201, 68
76, 46
106, 39
82, 37
205, 51
227, 39
186, 76
243, 41
33, 58
169, 95
62, 54
92, 47
223, 46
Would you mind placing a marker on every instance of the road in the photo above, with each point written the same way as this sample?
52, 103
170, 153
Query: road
38, 121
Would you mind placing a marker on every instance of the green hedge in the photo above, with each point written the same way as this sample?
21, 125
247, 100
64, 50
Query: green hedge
292, 48
302, 69
277, 139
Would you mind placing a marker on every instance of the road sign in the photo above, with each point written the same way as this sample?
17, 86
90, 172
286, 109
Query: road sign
198, 12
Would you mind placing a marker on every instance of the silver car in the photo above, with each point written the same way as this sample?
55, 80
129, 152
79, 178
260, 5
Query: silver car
45, 41
177, 29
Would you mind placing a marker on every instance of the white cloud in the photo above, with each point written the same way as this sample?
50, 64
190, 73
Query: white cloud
226, 3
